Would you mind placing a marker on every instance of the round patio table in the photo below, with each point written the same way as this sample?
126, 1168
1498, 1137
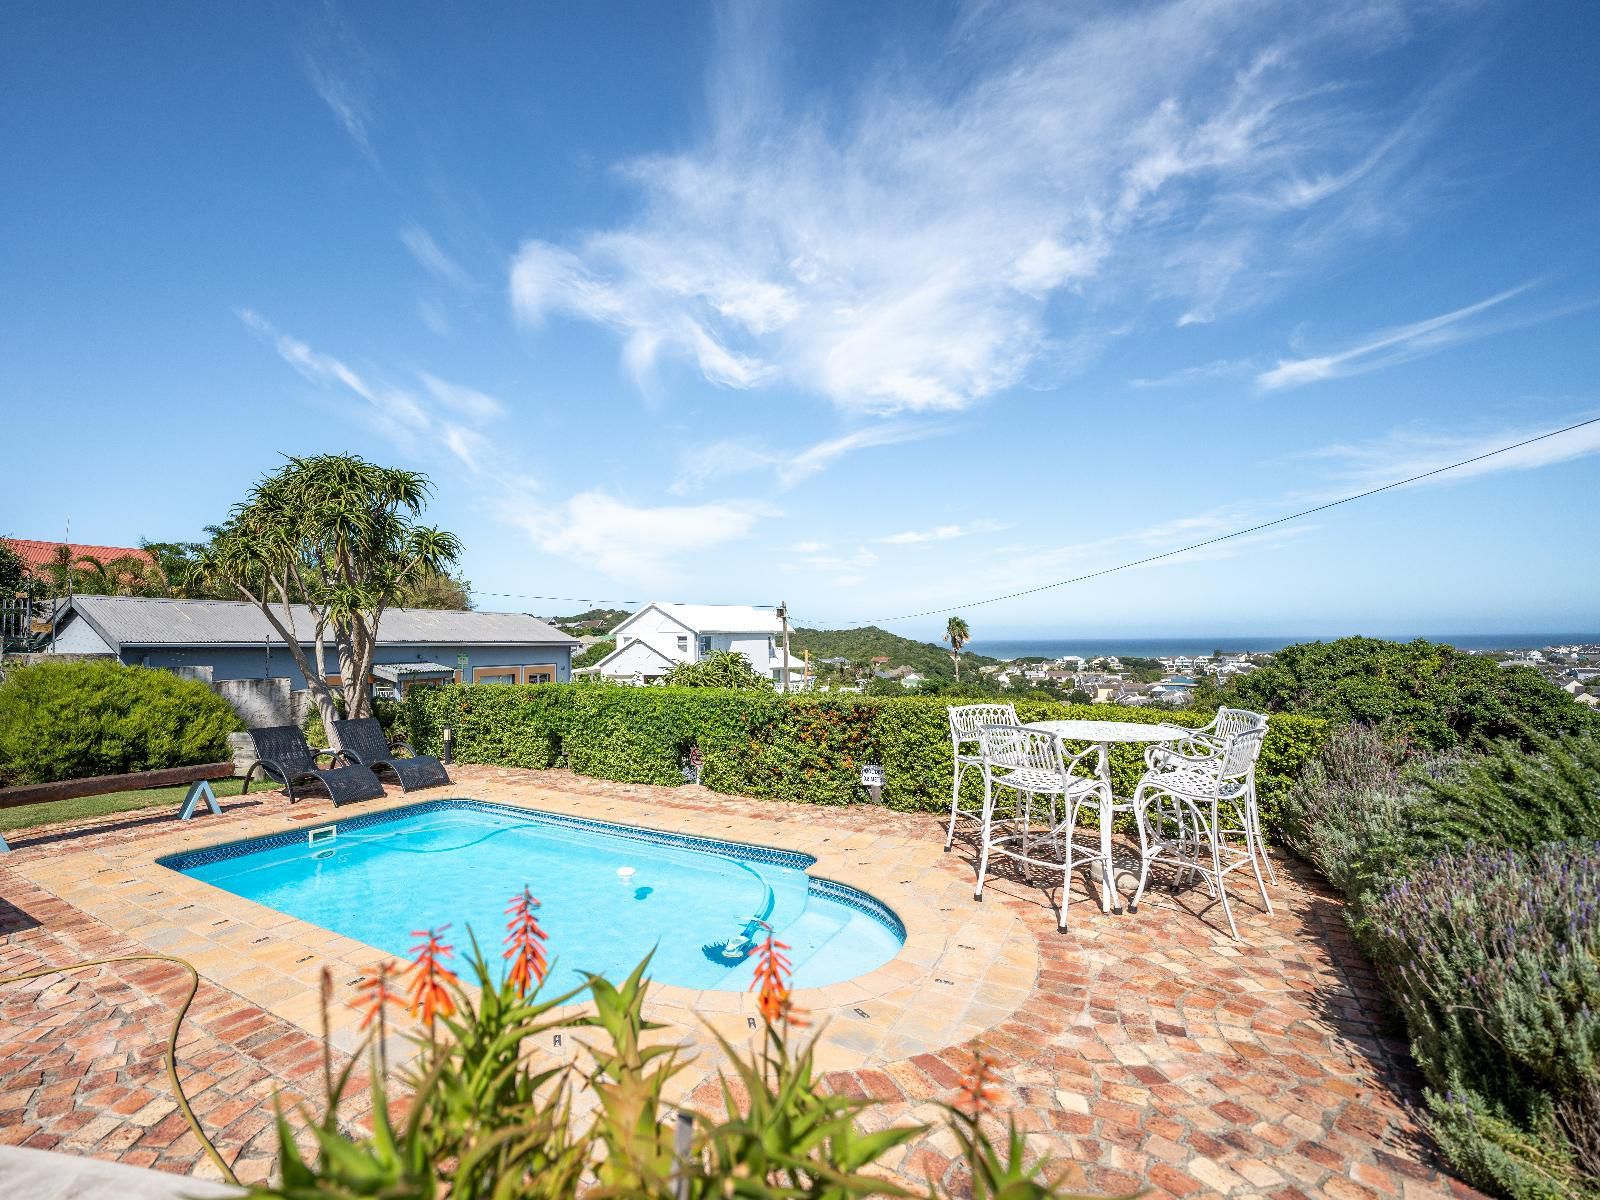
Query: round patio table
1103, 733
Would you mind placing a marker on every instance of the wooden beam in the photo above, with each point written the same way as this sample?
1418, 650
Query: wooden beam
104, 785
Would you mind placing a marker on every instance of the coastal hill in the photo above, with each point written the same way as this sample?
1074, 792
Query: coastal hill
861, 645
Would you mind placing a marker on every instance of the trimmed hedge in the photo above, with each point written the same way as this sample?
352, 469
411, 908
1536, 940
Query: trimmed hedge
70, 720
807, 748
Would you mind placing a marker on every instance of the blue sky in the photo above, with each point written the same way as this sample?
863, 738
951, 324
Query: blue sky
873, 308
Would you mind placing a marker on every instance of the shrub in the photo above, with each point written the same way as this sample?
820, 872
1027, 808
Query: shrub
1352, 811
488, 1119
807, 747
719, 669
1433, 694
1493, 957
69, 720
388, 713
1518, 800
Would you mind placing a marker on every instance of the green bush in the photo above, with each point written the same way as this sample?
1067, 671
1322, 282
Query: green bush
1493, 956
1519, 800
69, 720
806, 748
387, 711
1438, 696
1352, 812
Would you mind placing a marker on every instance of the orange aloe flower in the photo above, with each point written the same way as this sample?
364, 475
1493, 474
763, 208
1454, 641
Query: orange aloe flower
524, 942
374, 993
772, 983
430, 978
975, 1096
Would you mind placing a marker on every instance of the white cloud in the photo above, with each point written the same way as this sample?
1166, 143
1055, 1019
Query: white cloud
735, 456
916, 247
942, 533
1220, 368
1407, 452
449, 414
639, 544
324, 369
467, 401
430, 255
340, 70
1388, 347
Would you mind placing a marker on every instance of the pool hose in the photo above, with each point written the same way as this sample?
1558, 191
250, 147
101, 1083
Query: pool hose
172, 1037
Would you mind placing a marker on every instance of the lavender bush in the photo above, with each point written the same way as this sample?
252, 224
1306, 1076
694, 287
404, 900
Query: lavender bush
1493, 956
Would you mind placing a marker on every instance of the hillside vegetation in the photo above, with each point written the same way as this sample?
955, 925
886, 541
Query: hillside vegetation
592, 622
862, 645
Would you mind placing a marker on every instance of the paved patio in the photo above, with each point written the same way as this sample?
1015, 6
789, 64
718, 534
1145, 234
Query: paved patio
1143, 1050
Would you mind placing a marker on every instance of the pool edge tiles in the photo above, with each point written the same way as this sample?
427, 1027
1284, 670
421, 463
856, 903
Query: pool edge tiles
184, 860
845, 894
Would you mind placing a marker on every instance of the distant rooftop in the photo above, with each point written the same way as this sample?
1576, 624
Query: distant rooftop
36, 554
140, 621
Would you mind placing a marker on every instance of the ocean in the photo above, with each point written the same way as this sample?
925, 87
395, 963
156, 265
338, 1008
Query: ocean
1166, 647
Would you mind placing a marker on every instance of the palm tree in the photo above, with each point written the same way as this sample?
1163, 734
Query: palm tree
958, 635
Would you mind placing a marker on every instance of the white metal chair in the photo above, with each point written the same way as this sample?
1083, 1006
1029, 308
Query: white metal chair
1182, 805
1031, 764
965, 721
1207, 741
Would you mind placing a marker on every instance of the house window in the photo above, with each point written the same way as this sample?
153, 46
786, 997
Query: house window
770, 650
683, 643
539, 673
705, 643
495, 675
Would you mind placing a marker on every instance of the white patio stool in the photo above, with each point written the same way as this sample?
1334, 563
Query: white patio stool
1180, 808
1208, 741
1031, 764
965, 721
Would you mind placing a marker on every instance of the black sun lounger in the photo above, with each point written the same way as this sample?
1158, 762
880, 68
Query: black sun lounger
363, 742
284, 756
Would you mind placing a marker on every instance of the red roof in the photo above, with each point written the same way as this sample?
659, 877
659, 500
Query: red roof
36, 554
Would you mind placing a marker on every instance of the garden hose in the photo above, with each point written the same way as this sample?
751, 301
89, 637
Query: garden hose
172, 1037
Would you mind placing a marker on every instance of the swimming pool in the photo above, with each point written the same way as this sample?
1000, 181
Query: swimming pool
610, 893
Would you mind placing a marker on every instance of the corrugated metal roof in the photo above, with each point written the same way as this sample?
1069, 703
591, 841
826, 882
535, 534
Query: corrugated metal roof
141, 621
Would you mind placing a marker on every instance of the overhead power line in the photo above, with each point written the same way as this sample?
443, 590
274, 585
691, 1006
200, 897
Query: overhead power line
590, 599
1238, 533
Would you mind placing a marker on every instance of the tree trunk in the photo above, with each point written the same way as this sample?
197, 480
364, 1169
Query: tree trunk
955, 657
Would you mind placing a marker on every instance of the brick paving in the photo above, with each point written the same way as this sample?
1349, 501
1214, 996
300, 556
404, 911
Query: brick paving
1147, 1050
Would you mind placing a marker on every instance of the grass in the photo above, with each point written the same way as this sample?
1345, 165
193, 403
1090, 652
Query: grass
52, 812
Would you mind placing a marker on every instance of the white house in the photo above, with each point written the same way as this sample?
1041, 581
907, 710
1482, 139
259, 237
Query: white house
660, 636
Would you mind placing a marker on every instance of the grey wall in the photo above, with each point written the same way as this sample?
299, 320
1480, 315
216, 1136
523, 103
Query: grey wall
259, 663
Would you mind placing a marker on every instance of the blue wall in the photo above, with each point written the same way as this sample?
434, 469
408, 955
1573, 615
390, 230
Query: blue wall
243, 663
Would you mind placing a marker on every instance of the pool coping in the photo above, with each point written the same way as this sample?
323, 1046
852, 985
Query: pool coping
962, 969
864, 902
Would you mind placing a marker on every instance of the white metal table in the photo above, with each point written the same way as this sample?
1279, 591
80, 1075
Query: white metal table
1104, 733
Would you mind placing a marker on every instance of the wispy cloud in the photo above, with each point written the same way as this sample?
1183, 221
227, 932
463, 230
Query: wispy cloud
432, 256
1221, 368
1414, 450
1389, 346
640, 544
942, 533
446, 412
735, 456
340, 69
921, 248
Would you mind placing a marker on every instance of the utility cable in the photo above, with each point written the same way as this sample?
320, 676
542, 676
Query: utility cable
172, 1038
1237, 533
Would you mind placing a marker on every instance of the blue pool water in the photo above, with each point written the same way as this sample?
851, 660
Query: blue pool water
380, 876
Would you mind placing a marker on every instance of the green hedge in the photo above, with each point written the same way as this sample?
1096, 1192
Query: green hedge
69, 720
806, 748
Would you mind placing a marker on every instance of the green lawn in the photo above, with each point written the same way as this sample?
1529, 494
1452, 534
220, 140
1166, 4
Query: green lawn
53, 811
